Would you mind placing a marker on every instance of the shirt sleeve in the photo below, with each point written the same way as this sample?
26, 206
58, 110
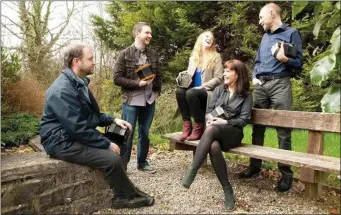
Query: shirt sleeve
245, 113
297, 62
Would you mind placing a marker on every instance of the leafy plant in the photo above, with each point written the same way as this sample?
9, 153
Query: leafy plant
327, 66
18, 128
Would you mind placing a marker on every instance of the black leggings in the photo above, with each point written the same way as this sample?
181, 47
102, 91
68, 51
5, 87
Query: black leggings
215, 139
192, 102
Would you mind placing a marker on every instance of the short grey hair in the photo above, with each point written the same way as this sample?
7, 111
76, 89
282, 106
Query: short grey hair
71, 52
138, 27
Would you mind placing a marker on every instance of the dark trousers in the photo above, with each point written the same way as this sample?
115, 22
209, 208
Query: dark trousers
192, 102
278, 95
100, 159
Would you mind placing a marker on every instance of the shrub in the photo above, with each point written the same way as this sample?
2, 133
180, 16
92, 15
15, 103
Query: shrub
25, 96
17, 129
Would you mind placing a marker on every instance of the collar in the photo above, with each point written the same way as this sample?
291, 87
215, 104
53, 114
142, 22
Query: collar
75, 80
281, 28
139, 50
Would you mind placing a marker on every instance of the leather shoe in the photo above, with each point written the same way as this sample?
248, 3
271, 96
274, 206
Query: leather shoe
284, 183
249, 172
123, 202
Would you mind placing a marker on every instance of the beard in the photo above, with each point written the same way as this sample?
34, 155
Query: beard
86, 71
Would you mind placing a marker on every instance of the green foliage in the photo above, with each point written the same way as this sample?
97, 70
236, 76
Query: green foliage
322, 53
10, 73
18, 128
111, 97
10, 68
176, 25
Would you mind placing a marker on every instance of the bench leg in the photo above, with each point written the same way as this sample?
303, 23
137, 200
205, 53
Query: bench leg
171, 145
313, 182
312, 190
310, 177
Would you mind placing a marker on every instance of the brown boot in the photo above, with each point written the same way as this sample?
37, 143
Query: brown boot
197, 131
186, 131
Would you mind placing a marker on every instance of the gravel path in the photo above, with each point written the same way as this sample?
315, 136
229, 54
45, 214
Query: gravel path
205, 196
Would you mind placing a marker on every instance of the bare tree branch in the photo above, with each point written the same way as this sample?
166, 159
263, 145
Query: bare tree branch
13, 22
47, 14
13, 33
69, 14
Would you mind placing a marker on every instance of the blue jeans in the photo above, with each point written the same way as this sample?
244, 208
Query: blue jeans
144, 116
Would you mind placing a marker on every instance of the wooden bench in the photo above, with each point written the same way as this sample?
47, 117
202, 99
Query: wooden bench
312, 163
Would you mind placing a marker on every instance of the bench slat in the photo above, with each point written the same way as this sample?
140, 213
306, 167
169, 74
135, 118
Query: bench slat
300, 159
297, 119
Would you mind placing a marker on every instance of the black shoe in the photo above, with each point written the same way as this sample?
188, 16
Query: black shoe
136, 202
249, 172
150, 199
284, 183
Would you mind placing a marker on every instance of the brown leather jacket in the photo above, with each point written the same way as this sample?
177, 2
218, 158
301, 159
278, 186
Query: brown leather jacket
125, 75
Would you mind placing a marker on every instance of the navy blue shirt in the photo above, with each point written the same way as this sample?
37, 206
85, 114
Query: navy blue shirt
266, 64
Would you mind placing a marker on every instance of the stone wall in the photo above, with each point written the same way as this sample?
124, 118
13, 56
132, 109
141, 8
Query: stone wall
33, 183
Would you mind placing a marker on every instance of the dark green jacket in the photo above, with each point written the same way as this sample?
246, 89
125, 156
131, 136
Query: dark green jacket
69, 115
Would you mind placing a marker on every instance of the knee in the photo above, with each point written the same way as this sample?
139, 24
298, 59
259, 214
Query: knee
114, 160
211, 130
180, 92
190, 93
215, 147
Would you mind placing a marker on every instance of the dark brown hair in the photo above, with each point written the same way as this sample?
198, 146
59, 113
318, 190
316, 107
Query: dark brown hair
72, 51
243, 84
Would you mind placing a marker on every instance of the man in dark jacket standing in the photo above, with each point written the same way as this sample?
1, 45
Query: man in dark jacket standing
68, 127
138, 96
272, 86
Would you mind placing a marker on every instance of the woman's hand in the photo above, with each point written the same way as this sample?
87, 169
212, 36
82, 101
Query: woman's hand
216, 121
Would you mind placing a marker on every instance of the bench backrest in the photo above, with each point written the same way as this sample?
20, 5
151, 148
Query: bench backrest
312, 121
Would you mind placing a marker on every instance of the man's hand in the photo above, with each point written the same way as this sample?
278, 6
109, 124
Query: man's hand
123, 124
145, 83
114, 148
256, 81
280, 55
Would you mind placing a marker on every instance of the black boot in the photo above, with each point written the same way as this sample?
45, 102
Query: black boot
189, 177
249, 172
229, 198
284, 183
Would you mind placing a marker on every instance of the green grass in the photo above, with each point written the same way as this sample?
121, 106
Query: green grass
299, 141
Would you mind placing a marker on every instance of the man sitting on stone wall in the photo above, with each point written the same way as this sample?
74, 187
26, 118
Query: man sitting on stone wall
68, 127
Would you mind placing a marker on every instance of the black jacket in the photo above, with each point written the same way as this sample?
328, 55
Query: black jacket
70, 116
237, 107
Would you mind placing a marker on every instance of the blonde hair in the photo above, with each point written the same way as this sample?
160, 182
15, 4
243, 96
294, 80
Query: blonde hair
197, 52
